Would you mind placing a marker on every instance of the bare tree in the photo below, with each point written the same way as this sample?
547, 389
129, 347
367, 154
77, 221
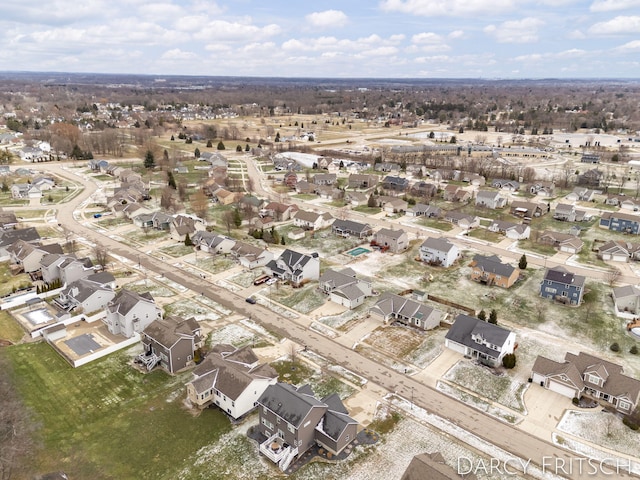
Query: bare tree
613, 275
229, 220
167, 201
200, 204
101, 255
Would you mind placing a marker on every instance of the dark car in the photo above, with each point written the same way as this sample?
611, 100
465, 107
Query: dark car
251, 300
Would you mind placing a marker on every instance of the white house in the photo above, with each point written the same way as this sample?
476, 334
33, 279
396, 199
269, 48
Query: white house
478, 339
250, 256
490, 199
312, 220
213, 242
392, 307
90, 294
130, 313
295, 267
231, 379
439, 251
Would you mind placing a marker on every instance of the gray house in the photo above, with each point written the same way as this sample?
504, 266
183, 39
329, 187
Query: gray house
563, 286
344, 288
170, 343
346, 228
292, 420
439, 251
90, 294
490, 199
392, 307
393, 240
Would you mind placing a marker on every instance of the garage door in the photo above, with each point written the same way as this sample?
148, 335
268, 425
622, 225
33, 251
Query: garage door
562, 389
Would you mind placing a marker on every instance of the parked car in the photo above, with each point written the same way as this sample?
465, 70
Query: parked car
271, 281
251, 300
260, 280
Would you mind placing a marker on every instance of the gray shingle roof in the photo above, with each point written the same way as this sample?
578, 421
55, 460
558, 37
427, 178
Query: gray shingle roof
287, 402
492, 264
465, 327
562, 275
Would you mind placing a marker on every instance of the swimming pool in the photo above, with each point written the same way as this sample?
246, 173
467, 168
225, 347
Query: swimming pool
358, 251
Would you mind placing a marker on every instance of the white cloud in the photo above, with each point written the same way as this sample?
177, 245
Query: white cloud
222, 30
426, 38
617, 26
612, 5
177, 54
327, 19
456, 34
462, 8
633, 46
515, 31
576, 35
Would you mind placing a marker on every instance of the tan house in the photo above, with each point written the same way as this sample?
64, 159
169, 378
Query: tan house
491, 271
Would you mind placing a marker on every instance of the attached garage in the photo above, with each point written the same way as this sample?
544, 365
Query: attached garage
562, 389
456, 347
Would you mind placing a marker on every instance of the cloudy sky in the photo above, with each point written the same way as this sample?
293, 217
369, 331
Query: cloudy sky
348, 38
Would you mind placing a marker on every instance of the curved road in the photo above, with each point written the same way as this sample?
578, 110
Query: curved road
519, 443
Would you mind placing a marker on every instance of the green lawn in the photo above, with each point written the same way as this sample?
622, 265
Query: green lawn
367, 210
437, 224
105, 420
483, 234
8, 281
9, 328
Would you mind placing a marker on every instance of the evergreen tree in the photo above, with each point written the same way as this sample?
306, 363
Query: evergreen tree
522, 264
187, 241
509, 360
482, 315
371, 203
171, 181
493, 316
247, 148
196, 152
237, 218
220, 145
209, 144
239, 148
149, 160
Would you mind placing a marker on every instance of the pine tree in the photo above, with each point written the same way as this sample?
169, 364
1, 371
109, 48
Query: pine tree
187, 241
149, 160
522, 264
482, 315
493, 316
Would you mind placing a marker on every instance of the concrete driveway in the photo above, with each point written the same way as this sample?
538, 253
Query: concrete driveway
544, 410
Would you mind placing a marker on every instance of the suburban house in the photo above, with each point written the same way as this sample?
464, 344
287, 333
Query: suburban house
433, 466
632, 204
542, 189
582, 194
396, 184
212, 242
8, 220
65, 268
356, 199
619, 251
391, 307
312, 220
170, 343
484, 341
504, 184
183, 225
491, 271
90, 294
25, 257
627, 300
9, 237
304, 187
393, 240
292, 420
620, 222
344, 288
25, 191
515, 231
615, 199
563, 286
290, 179
455, 193
224, 196
591, 178
565, 242
250, 256
232, 379
129, 313
393, 205
155, 220
424, 189
325, 179
295, 267
585, 374
280, 211
490, 199
590, 158
461, 219
439, 251
423, 210
524, 209
363, 181
346, 228
568, 213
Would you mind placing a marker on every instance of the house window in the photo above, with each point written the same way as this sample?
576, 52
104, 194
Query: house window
291, 428
264, 410
592, 379
346, 439
267, 424
189, 358
622, 405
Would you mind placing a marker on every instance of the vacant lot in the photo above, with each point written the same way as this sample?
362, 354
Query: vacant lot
105, 420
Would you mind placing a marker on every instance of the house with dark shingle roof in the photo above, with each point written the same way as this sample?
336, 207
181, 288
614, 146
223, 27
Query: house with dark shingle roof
394, 240
212, 242
347, 228
230, 378
565, 242
627, 301
563, 286
250, 256
129, 313
585, 374
292, 420
344, 288
170, 343
432, 466
515, 231
90, 294
8, 220
26, 256
484, 341
491, 271
295, 267
312, 220
392, 307
9, 237
397, 184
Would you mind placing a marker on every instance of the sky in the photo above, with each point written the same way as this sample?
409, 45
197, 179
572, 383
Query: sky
328, 39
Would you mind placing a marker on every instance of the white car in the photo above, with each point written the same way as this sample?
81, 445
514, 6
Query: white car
271, 281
